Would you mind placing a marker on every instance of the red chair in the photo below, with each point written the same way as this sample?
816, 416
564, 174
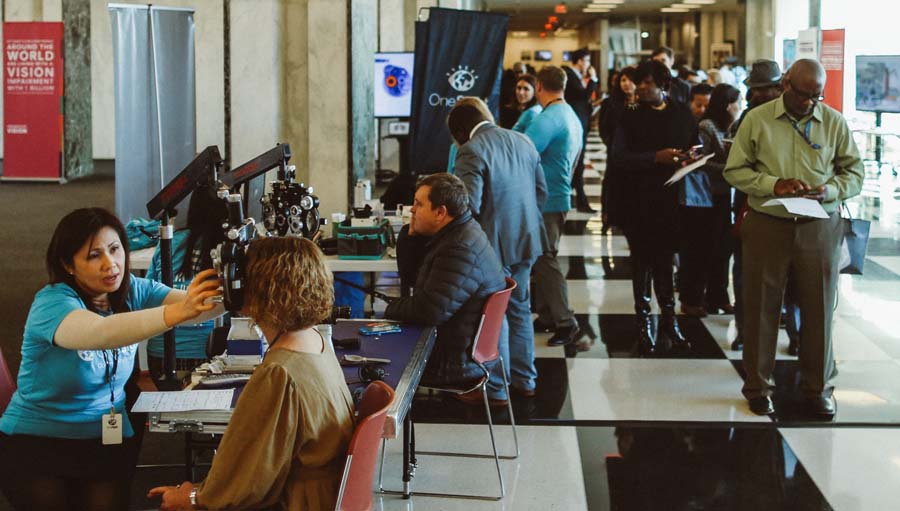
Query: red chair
355, 493
485, 349
7, 384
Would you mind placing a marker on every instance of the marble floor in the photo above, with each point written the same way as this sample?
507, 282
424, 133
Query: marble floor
608, 430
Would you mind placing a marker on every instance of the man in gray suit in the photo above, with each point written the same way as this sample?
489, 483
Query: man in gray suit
507, 188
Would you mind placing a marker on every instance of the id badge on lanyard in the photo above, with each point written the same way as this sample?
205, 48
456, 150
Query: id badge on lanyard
111, 423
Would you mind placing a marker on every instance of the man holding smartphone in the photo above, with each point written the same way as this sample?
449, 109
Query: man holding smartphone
793, 146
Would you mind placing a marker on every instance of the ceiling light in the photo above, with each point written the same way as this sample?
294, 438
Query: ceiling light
596, 11
699, 2
613, 2
645, 35
686, 6
673, 9
601, 6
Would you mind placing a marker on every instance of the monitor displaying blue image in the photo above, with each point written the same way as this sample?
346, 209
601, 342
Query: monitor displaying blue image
878, 83
393, 84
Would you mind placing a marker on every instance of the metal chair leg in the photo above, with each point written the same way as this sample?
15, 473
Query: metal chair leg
512, 419
487, 408
381, 469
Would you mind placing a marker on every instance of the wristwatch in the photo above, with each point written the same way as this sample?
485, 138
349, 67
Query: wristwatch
193, 497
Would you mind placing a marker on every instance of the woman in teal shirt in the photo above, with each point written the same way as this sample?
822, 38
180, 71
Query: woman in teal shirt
78, 351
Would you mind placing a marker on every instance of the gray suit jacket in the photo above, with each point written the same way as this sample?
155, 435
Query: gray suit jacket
507, 189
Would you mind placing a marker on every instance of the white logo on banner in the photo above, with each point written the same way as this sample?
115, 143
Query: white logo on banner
462, 78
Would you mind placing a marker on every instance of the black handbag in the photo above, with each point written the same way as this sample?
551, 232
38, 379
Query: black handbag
856, 240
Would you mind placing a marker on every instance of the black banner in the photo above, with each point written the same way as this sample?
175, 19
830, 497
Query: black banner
458, 54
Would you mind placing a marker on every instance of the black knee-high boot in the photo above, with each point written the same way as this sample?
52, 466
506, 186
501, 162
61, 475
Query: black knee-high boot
640, 285
665, 297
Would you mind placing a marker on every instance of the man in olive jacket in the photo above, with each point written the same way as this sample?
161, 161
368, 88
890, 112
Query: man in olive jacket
455, 278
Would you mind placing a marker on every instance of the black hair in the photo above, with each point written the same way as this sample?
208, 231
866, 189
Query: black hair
447, 190
72, 232
530, 80
702, 89
663, 49
206, 213
463, 117
578, 54
717, 111
616, 86
661, 75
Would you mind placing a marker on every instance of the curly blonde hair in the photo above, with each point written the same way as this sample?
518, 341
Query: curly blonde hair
289, 287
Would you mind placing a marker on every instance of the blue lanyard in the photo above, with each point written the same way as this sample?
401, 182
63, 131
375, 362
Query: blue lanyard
805, 134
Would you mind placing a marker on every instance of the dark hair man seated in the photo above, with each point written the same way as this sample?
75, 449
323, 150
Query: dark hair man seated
456, 276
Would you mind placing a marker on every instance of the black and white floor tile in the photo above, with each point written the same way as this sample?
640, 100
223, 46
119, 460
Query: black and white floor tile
673, 432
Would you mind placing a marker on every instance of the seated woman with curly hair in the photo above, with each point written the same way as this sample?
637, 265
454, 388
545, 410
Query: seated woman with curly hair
284, 447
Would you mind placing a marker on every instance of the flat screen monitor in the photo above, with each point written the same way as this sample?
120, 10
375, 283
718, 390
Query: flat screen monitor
393, 84
567, 56
543, 55
878, 83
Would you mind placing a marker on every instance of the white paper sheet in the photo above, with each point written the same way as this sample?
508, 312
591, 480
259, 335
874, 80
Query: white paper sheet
800, 206
183, 401
683, 171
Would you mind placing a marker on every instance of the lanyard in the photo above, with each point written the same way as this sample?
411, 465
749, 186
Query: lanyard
805, 134
111, 376
554, 101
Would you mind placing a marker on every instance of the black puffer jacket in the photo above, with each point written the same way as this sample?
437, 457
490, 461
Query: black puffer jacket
459, 272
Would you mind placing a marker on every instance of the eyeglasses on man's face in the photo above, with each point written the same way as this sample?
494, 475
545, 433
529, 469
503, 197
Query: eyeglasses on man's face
815, 97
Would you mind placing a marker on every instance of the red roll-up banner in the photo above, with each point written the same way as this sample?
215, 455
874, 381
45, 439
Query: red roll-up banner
32, 101
831, 54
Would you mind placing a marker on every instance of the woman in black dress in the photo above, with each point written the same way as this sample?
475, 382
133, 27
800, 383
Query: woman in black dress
651, 143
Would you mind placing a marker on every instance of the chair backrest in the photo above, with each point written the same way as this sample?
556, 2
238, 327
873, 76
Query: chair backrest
487, 340
7, 384
359, 471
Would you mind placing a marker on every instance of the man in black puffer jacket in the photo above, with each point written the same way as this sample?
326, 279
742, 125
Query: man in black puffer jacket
455, 278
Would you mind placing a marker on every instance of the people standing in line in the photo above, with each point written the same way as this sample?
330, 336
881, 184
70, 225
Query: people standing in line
507, 189
527, 102
794, 146
652, 142
622, 96
763, 85
66, 441
706, 214
557, 135
700, 95
581, 83
679, 90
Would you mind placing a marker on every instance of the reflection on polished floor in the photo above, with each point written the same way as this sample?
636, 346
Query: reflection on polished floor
608, 430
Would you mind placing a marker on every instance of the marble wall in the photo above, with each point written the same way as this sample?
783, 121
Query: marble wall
363, 42
77, 152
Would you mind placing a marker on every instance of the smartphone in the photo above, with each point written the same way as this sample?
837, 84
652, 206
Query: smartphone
379, 329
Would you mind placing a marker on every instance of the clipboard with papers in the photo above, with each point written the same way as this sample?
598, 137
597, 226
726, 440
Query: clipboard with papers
687, 169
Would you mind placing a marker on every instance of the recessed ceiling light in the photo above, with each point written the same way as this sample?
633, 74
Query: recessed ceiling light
700, 2
686, 6
672, 9
616, 2
595, 11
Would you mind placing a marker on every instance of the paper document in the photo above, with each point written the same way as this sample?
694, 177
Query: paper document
183, 401
800, 206
683, 171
